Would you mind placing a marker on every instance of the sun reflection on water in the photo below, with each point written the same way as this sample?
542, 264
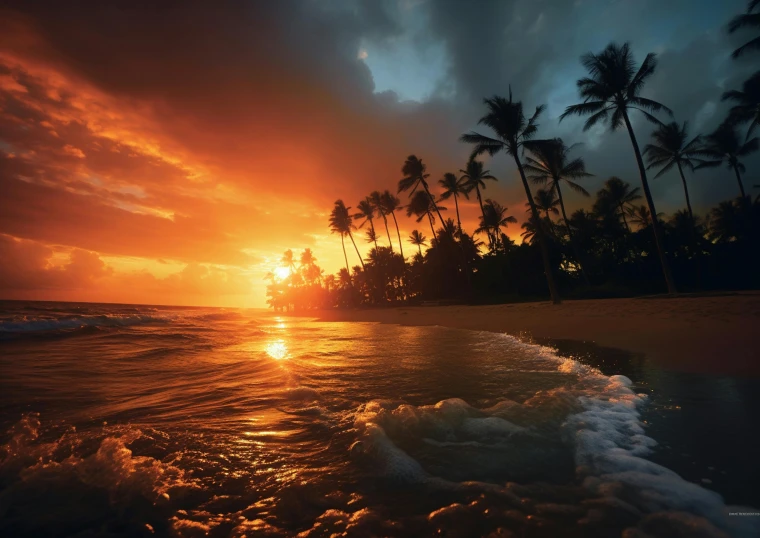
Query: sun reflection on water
277, 350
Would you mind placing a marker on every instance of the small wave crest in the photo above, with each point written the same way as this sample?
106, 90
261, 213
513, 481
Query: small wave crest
27, 324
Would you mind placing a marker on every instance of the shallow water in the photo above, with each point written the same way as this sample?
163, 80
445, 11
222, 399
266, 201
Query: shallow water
151, 421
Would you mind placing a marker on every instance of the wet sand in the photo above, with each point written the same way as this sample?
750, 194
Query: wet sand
709, 334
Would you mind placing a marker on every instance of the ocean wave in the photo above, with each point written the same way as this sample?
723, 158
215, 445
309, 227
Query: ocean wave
27, 324
594, 421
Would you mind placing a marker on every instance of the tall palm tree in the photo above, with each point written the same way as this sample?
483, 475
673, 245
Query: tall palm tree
513, 131
371, 237
616, 194
377, 201
724, 146
550, 162
611, 90
421, 206
415, 175
670, 148
416, 238
747, 109
474, 177
493, 220
390, 203
453, 186
547, 201
341, 223
747, 19
366, 211
288, 260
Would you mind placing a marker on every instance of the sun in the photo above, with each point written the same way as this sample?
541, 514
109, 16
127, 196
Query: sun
281, 273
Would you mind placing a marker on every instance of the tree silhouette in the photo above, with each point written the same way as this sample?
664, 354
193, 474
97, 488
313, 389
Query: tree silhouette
475, 177
724, 146
416, 238
611, 90
341, 223
366, 212
748, 19
614, 196
747, 107
390, 203
550, 163
421, 206
415, 175
377, 201
494, 218
513, 132
453, 186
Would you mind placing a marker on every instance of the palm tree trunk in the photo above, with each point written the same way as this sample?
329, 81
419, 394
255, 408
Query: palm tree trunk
432, 230
625, 221
739, 179
343, 244
351, 236
655, 221
385, 220
694, 236
576, 250
483, 212
374, 238
401, 248
459, 221
432, 201
541, 237
419, 246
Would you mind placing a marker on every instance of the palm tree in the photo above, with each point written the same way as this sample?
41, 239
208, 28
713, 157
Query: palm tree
288, 260
415, 175
366, 211
550, 163
616, 194
421, 206
474, 177
724, 146
390, 203
611, 90
377, 201
494, 218
749, 18
513, 132
671, 149
418, 239
546, 201
341, 223
371, 237
453, 186
747, 109
641, 216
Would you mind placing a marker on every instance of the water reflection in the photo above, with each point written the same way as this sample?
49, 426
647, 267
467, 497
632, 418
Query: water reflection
277, 350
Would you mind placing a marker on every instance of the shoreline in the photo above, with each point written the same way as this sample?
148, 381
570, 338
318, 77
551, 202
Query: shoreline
713, 334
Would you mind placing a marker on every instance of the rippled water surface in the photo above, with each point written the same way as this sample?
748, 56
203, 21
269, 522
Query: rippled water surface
154, 421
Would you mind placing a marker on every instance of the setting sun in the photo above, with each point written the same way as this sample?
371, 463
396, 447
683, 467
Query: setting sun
281, 273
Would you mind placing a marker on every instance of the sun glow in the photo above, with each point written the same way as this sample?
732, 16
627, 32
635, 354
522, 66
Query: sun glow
281, 273
277, 350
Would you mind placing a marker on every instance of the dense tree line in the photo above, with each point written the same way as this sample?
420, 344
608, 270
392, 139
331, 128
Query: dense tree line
620, 245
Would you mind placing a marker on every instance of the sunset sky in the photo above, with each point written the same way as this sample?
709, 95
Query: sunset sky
171, 155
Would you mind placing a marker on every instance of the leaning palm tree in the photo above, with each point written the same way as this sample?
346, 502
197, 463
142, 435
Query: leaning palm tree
366, 211
456, 187
377, 201
513, 132
670, 148
493, 220
389, 204
747, 19
421, 206
724, 146
615, 196
415, 176
341, 223
550, 163
611, 90
747, 107
416, 238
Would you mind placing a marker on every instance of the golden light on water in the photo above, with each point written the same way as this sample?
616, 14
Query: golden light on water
277, 350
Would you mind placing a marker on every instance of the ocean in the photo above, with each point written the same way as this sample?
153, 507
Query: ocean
124, 420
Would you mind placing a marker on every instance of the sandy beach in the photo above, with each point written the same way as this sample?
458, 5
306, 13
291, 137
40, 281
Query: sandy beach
717, 334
